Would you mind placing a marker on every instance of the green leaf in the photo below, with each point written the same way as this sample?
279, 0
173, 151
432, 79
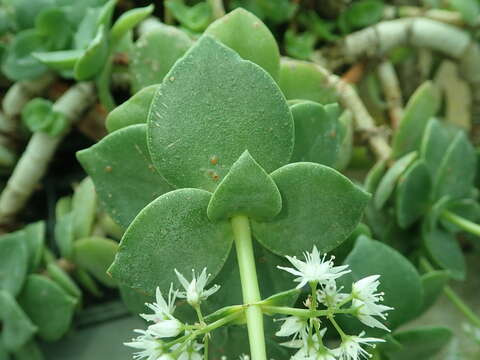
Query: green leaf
364, 13
154, 54
124, 176
14, 259
303, 80
247, 190
52, 25
84, 278
387, 185
94, 58
284, 298
300, 45
3, 352
456, 173
39, 115
345, 137
399, 279
134, 300
243, 32
423, 104
413, 194
30, 351
195, 18
320, 207
48, 305
433, 283
172, 232
34, 236
316, 133
57, 274
64, 235
133, 111
84, 207
59, 60
127, 21
445, 251
27, 11
469, 9
17, 329
95, 254
421, 343
224, 118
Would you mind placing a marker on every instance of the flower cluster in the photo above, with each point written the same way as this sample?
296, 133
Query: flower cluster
362, 302
151, 343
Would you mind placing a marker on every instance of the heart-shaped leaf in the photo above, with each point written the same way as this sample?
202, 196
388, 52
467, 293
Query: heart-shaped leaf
413, 194
120, 156
303, 80
249, 37
423, 104
247, 190
17, 329
48, 305
14, 259
320, 207
195, 18
172, 232
95, 254
154, 54
215, 85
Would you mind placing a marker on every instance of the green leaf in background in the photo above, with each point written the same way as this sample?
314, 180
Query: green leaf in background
127, 21
247, 190
364, 13
214, 84
57, 274
94, 58
3, 352
320, 207
154, 54
470, 10
84, 207
65, 235
134, 300
86, 280
445, 251
413, 194
53, 26
34, 236
303, 80
316, 133
17, 329
48, 305
389, 181
27, 11
421, 343
29, 351
172, 232
14, 260
456, 173
421, 106
124, 176
300, 45
59, 60
399, 279
195, 18
95, 254
38, 115
243, 32
433, 283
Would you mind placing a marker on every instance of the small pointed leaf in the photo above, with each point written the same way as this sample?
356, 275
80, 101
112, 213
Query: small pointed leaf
14, 259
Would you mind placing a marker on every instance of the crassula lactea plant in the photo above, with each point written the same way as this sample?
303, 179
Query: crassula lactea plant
206, 171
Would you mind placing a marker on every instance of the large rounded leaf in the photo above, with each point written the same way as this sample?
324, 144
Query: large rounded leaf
211, 107
249, 37
319, 207
172, 232
124, 176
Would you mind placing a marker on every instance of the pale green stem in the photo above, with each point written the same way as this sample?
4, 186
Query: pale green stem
337, 327
303, 313
250, 289
462, 223
206, 337
218, 10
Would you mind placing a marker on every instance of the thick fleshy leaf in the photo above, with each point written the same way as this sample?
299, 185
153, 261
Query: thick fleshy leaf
14, 260
53, 26
423, 104
124, 176
86, 280
93, 59
246, 190
95, 254
48, 305
346, 130
154, 54
172, 232
316, 133
456, 173
421, 343
320, 207
225, 117
34, 236
127, 21
302, 80
84, 207
249, 37
57, 274
387, 185
30, 351
59, 60
399, 279
64, 235
445, 251
17, 329
433, 283
413, 194
3, 352
133, 111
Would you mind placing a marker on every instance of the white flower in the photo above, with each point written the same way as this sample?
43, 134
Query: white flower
366, 312
351, 348
292, 325
314, 268
194, 291
190, 352
244, 357
162, 309
151, 348
329, 295
364, 290
166, 328
310, 348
